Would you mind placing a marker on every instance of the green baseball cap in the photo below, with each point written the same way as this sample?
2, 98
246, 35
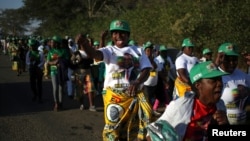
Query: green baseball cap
206, 50
205, 70
32, 42
163, 48
96, 43
132, 43
57, 39
187, 43
228, 49
119, 25
109, 43
147, 45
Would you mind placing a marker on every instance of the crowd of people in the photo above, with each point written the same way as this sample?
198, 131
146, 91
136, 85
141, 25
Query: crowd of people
136, 80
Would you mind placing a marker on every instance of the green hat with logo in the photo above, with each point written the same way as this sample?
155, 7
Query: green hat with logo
57, 39
206, 50
119, 25
187, 43
205, 70
228, 49
163, 48
32, 42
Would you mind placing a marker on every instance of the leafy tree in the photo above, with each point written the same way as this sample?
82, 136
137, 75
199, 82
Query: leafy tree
13, 22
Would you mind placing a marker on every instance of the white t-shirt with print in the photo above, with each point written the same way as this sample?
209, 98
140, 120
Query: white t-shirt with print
116, 58
235, 112
185, 62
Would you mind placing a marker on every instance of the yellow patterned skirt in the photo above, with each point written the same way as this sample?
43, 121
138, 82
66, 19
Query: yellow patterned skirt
180, 88
126, 118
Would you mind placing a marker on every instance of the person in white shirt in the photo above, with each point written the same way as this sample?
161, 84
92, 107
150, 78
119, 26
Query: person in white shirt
150, 85
127, 68
44, 48
183, 65
164, 84
235, 85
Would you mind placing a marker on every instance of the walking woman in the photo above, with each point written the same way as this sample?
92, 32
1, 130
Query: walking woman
126, 109
57, 59
188, 117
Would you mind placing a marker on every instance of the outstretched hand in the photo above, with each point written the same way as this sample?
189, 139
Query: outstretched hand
104, 34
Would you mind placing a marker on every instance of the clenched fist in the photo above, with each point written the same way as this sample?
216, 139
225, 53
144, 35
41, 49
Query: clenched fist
220, 117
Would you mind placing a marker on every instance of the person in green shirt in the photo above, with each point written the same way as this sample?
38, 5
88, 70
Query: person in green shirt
57, 59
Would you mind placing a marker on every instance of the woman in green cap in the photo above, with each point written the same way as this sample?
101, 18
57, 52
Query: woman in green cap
188, 118
183, 65
150, 85
206, 55
56, 58
126, 109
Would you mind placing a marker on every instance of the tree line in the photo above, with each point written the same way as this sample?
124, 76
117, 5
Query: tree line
208, 22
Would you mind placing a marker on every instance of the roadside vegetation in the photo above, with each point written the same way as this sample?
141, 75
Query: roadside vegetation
207, 22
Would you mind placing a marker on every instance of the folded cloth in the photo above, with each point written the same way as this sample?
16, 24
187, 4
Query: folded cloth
161, 130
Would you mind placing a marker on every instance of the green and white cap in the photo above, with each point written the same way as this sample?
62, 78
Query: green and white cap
132, 43
187, 43
119, 25
228, 49
205, 70
148, 44
96, 43
32, 42
206, 50
163, 48
57, 39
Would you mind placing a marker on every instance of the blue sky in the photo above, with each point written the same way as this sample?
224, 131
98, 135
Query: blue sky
10, 4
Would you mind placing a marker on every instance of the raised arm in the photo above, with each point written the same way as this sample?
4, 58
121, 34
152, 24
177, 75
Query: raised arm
83, 42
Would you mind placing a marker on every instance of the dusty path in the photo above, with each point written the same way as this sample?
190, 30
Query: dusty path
24, 120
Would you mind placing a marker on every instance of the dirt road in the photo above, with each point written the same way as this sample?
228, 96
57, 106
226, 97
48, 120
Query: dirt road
21, 119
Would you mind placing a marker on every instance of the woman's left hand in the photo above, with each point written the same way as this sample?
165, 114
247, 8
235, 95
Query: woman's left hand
220, 117
133, 88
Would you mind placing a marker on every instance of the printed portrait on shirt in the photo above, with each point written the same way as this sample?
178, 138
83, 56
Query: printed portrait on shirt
127, 61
